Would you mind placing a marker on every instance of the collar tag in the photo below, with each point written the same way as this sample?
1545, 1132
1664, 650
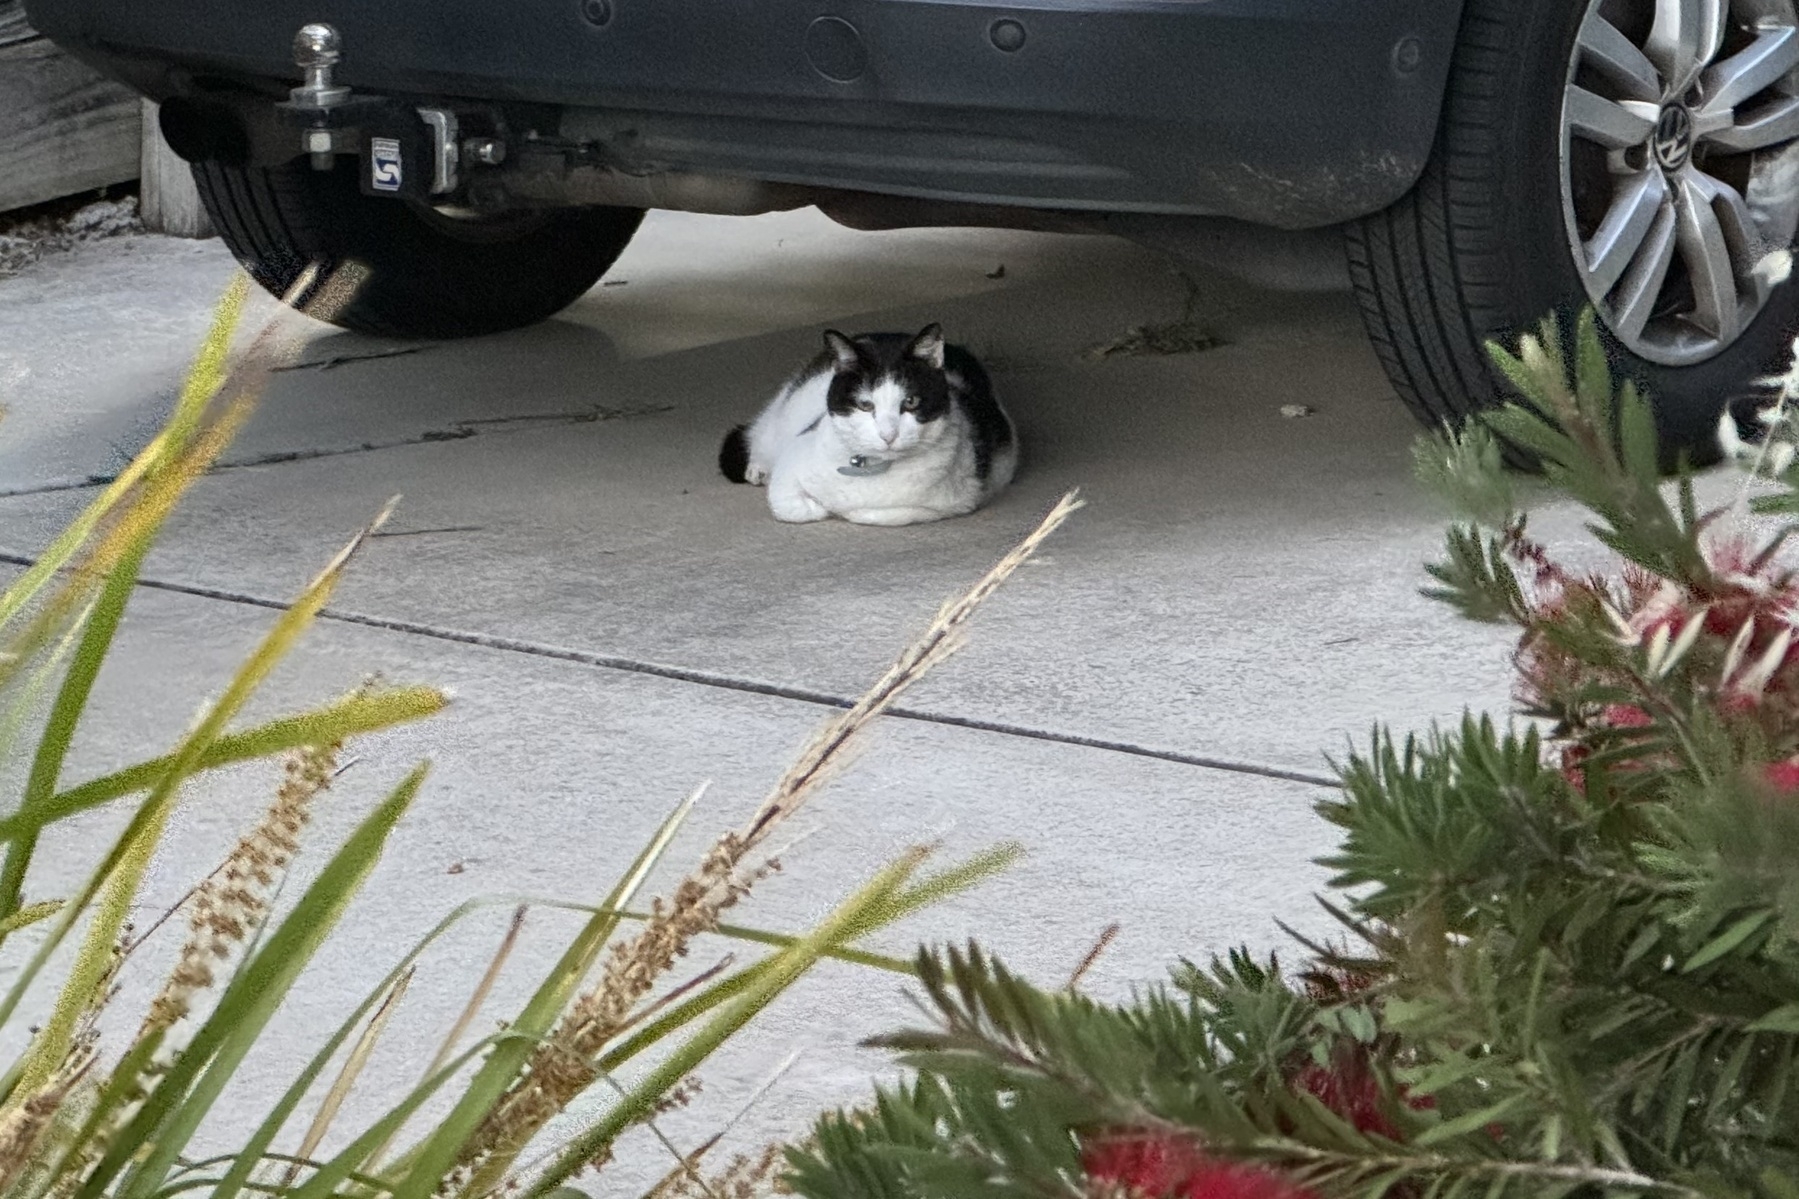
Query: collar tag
862, 466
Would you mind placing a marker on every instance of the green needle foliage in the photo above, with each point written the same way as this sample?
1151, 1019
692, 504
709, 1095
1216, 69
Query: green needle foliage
78, 1122
1571, 942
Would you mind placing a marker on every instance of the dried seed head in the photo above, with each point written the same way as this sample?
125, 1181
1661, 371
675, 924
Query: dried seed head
747, 1176
232, 903
23, 1125
679, 1095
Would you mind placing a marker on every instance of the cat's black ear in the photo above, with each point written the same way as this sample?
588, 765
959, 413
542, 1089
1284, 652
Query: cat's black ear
843, 348
927, 347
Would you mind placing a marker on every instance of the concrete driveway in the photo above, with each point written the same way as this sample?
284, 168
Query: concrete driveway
1148, 708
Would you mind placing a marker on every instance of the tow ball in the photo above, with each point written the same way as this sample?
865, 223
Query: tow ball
404, 149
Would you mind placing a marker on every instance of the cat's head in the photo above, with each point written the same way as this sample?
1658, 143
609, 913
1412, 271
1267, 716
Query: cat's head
888, 392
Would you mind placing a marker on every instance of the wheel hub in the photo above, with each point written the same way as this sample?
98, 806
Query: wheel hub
1680, 166
1673, 139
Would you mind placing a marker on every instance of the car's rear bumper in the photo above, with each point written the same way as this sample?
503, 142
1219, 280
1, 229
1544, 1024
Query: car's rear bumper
1295, 113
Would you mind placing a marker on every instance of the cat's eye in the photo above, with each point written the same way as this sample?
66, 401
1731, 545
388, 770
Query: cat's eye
866, 405
910, 404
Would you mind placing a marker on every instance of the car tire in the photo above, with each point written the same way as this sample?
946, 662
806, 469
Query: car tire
397, 268
1504, 226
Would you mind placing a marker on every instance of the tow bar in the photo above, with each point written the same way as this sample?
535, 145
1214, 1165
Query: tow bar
405, 150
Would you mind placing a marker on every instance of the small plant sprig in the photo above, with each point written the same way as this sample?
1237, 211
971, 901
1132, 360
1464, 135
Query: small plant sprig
1573, 955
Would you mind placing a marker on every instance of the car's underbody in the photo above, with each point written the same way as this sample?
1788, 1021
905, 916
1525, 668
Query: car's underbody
1466, 166
1293, 114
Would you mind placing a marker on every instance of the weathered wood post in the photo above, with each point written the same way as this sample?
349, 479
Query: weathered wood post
63, 129
167, 200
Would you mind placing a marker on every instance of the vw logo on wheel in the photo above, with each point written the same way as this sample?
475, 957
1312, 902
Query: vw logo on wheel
1673, 136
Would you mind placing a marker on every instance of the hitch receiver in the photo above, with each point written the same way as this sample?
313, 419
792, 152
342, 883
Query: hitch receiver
404, 150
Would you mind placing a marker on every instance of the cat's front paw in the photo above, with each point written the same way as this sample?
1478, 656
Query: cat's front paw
795, 506
755, 474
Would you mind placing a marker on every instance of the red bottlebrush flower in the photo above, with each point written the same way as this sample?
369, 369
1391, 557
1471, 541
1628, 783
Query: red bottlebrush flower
1348, 1089
1729, 611
1572, 770
1626, 716
1612, 716
1748, 573
1163, 1166
1737, 703
1146, 1163
1665, 607
1783, 776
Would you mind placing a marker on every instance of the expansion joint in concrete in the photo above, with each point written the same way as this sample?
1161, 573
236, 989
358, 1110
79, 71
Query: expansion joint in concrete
726, 682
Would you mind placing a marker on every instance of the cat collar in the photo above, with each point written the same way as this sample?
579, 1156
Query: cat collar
862, 465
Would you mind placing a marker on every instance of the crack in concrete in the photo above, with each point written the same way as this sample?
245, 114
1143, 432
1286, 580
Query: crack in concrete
457, 431
429, 532
325, 364
725, 682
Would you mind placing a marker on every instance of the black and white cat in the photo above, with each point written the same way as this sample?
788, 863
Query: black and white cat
879, 429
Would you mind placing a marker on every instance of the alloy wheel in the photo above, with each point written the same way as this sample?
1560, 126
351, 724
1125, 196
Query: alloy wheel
1680, 167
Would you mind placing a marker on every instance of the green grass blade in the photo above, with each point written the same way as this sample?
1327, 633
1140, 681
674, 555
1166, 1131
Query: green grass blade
325, 1180
60, 552
182, 1096
1728, 940
135, 522
65, 714
1514, 370
255, 1150
372, 1186
686, 1012
926, 891
122, 1088
352, 1069
435, 1156
203, 382
212, 363
351, 716
786, 967
122, 869
12, 874
27, 698
29, 915
935, 888
116, 887
858, 957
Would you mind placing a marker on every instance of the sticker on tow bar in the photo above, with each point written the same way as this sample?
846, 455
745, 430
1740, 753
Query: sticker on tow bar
384, 164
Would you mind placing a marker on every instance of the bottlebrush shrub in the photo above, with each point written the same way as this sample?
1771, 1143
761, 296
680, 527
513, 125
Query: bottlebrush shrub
1574, 965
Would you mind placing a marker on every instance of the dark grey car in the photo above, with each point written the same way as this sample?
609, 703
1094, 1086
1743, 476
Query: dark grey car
464, 166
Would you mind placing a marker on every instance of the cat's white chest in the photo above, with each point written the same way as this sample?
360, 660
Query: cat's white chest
851, 484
